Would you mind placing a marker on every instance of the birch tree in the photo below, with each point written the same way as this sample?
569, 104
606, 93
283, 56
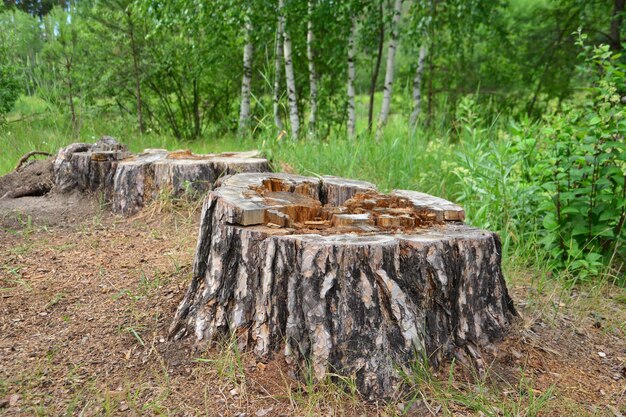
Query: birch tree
290, 78
417, 86
389, 71
246, 82
310, 40
376, 70
351, 77
278, 63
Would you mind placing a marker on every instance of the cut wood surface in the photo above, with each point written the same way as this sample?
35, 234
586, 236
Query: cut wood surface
342, 278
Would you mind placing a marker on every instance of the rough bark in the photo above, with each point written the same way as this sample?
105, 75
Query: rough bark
128, 182
417, 86
139, 179
342, 278
294, 117
351, 77
310, 53
389, 71
88, 167
246, 82
278, 63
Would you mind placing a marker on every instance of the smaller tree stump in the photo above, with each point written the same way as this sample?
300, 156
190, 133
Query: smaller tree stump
128, 182
88, 167
342, 278
140, 178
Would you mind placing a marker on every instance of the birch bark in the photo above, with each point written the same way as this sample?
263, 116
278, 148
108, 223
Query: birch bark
278, 63
389, 72
417, 86
290, 77
246, 82
351, 77
310, 53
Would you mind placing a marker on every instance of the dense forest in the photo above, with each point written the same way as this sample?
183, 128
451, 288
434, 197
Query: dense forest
514, 108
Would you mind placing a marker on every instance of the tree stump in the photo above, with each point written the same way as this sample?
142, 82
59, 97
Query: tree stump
128, 182
140, 178
88, 167
342, 278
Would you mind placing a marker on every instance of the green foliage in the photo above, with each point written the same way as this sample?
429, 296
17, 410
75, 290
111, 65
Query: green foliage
555, 188
494, 193
583, 171
9, 83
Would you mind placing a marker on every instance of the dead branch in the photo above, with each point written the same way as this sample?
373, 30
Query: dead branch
26, 157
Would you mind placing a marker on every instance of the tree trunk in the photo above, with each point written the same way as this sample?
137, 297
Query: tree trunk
278, 62
379, 57
86, 167
351, 77
342, 278
310, 40
389, 71
136, 71
70, 87
417, 87
616, 25
290, 78
246, 82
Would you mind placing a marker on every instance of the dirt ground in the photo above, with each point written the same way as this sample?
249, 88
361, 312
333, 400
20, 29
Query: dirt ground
86, 299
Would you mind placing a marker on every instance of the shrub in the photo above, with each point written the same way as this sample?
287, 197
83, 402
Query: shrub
583, 167
9, 83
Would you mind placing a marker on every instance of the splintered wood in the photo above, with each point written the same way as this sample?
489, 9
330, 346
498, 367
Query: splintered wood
128, 182
342, 278
333, 205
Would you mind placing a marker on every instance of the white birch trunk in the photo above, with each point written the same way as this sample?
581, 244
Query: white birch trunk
417, 86
278, 63
290, 78
391, 62
310, 40
246, 82
351, 77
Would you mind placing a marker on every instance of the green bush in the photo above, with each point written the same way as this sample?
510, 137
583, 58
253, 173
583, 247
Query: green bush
583, 171
9, 84
555, 188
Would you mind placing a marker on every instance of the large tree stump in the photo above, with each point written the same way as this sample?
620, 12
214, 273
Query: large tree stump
341, 277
